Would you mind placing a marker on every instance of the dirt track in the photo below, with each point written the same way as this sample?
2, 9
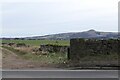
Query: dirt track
12, 61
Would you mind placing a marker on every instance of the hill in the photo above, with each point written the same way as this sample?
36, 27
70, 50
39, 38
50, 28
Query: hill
86, 34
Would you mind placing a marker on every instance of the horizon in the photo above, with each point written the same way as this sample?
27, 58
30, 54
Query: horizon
23, 19
52, 34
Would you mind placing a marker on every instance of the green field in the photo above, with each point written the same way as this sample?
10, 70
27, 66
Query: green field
39, 42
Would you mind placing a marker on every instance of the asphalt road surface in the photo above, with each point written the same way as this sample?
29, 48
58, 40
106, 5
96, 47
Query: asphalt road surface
60, 74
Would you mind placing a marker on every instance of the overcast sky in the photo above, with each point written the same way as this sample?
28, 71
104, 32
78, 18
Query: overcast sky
40, 17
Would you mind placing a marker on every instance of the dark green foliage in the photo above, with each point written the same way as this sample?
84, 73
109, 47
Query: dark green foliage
21, 45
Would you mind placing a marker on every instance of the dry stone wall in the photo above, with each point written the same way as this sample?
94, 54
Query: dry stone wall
81, 48
53, 48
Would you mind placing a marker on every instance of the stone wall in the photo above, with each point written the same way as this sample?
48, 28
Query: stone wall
81, 48
53, 48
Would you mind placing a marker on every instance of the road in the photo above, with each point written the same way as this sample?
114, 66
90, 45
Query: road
60, 74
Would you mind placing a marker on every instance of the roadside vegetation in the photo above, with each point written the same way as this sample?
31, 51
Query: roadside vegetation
29, 50
51, 58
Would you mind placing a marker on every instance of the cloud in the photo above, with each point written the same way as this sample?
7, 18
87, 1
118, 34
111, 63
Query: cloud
41, 17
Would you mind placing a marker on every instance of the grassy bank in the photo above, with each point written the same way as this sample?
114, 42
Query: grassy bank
50, 58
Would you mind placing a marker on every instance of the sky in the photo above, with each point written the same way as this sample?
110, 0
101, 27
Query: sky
21, 18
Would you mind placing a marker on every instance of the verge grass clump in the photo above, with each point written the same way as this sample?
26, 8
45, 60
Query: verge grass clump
15, 50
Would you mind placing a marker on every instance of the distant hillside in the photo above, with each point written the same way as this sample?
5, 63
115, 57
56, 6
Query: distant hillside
85, 34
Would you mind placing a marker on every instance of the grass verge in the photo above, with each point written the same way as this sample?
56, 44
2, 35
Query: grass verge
50, 58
